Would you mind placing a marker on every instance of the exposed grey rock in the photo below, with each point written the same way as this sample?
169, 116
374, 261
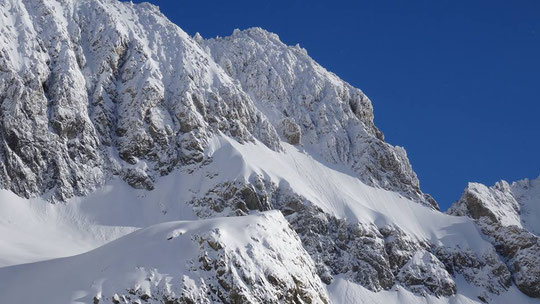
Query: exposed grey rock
525, 267
237, 285
105, 96
425, 274
329, 114
231, 199
399, 246
375, 257
98, 103
290, 130
486, 271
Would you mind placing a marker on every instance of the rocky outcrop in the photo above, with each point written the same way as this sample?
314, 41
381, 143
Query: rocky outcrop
425, 274
503, 213
486, 271
377, 258
241, 285
290, 130
331, 116
232, 199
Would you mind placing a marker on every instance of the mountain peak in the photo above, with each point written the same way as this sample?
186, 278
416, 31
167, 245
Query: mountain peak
225, 170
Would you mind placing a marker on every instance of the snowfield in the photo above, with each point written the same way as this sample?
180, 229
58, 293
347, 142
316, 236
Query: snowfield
35, 230
164, 260
83, 223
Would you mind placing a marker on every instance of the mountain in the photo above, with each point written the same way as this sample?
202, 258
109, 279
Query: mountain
508, 214
94, 89
142, 165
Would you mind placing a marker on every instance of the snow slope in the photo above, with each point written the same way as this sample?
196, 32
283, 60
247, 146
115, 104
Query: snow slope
335, 190
116, 209
257, 257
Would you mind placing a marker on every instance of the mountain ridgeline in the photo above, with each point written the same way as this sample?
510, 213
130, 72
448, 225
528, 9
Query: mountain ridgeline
251, 174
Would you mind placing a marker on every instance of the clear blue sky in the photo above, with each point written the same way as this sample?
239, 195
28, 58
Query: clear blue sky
457, 83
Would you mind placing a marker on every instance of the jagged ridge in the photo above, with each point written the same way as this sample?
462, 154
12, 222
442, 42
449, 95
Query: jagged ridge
94, 88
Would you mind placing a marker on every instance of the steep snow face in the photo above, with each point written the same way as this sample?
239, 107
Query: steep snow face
96, 88
252, 259
508, 215
313, 107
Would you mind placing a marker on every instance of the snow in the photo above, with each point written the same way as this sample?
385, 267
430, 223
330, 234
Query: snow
343, 291
334, 119
527, 194
84, 223
164, 255
49, 231
336, 190
34, 230
516, 204
186, 115
499, 201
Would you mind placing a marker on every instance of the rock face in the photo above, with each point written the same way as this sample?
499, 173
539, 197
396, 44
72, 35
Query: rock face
333, 117
91, 89
290, 130
376, 257
508, 215
425, 273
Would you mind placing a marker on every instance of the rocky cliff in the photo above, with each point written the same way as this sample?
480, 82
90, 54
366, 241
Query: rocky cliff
92, 89
508, 214
97, 94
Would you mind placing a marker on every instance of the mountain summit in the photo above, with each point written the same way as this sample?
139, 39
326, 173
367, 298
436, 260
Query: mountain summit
142, 165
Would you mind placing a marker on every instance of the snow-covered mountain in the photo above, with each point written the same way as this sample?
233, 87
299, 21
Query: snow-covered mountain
142, 165
509, 215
